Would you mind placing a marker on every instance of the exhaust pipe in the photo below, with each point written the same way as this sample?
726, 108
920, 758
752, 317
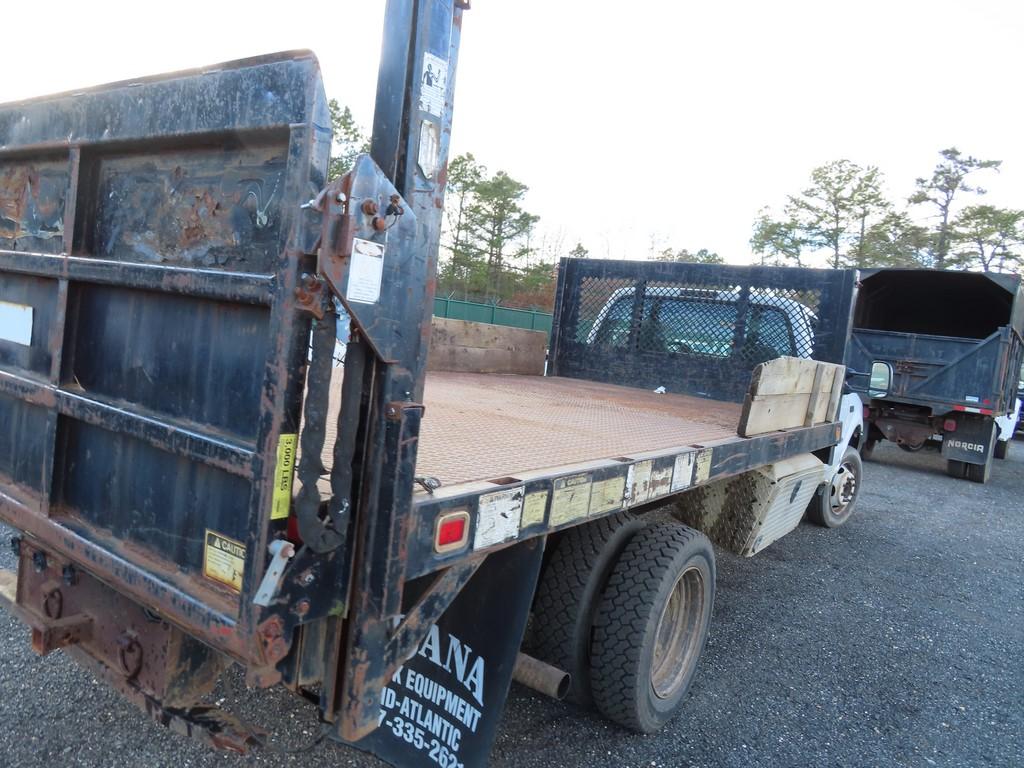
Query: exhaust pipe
541, 677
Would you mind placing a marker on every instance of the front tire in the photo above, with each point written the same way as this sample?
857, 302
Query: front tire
651, 626
834, 503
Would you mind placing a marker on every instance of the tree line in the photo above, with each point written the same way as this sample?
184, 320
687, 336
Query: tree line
844, 213
491, 251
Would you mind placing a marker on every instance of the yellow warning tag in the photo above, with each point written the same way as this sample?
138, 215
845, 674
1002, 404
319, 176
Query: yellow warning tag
283, 477
224, 560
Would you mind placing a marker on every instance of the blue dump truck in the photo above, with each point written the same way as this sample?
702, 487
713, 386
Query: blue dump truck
950, 346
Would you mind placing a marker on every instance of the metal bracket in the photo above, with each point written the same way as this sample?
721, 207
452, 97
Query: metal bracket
281, 552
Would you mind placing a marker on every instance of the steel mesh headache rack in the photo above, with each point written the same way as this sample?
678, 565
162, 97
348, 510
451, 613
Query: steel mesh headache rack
174, 274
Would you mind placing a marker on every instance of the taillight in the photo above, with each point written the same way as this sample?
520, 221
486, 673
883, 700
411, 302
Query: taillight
867, 412
451, 532
949, 425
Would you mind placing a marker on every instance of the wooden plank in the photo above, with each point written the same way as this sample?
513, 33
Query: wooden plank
812, 402
838, 379
466, 347
791, 375
790, 392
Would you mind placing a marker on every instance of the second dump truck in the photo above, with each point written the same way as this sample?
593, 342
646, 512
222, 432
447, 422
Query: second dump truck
175, 273
951, 344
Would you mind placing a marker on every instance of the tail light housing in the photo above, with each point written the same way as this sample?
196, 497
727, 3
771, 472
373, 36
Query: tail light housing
451, 531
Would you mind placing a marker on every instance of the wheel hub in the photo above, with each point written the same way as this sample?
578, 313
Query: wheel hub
843, 489
678, 635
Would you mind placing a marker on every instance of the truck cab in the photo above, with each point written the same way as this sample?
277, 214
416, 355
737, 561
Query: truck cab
703, 322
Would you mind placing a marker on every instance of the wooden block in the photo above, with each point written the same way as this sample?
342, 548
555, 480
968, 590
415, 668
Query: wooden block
790, 392
467, 347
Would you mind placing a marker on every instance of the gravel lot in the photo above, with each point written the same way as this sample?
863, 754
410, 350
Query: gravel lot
895, 640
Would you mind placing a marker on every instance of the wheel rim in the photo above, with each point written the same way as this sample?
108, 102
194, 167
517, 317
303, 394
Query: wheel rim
843, 489
677, 640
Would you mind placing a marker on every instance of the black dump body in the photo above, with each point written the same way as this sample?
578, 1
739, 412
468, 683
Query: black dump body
953, 338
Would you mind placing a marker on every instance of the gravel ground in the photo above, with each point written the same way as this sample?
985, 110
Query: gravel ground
895, 640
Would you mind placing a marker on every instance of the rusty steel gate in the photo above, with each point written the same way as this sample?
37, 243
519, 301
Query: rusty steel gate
174, 272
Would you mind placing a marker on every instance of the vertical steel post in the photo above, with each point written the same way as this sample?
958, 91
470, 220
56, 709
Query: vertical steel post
411, 129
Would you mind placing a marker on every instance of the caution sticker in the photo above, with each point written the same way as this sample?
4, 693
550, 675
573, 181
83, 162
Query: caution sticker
282, 499
224, 560
570, 499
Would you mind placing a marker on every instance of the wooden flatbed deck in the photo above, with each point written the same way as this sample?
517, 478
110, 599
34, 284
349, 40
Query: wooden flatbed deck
487, 426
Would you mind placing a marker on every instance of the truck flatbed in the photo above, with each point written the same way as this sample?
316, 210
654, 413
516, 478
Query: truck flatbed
486, 426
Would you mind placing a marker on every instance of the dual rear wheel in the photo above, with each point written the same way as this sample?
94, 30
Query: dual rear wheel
625, 608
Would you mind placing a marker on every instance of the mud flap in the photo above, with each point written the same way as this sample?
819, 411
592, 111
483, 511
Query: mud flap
973, 441
442, 707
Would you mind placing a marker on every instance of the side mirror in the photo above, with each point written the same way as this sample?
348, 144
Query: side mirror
881, 379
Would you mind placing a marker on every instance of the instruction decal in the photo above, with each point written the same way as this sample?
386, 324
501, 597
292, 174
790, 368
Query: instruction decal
702, 471
16, 323
534, 508
638, 482
661, 482
429, 155
682, 472
498, 517
606, 495
224, 560
365, 272
283, 472
570, 500
434, 83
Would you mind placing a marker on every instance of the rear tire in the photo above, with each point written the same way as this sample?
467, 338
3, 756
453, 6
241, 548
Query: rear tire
957, 469
651, 626
1002, 449
980, 473
569, 591
833, 504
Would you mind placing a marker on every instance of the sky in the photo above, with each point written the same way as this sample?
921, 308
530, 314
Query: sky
634, 124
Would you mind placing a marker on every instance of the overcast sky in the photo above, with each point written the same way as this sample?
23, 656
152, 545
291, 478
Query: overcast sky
671, 120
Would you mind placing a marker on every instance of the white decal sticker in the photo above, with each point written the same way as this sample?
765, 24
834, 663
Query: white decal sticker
498, 517
638, 482
430, 148
703, 469
434, 83
682, 472
661, 480
15, 323
365, 272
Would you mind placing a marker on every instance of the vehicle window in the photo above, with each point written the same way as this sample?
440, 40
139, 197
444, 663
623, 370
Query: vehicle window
767, 335
681, 325
614, 328
686, 326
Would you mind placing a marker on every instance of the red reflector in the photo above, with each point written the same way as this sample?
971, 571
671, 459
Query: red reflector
452, 531
867, 412
949, 425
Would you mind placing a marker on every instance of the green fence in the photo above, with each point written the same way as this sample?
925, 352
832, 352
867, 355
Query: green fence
492, 313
